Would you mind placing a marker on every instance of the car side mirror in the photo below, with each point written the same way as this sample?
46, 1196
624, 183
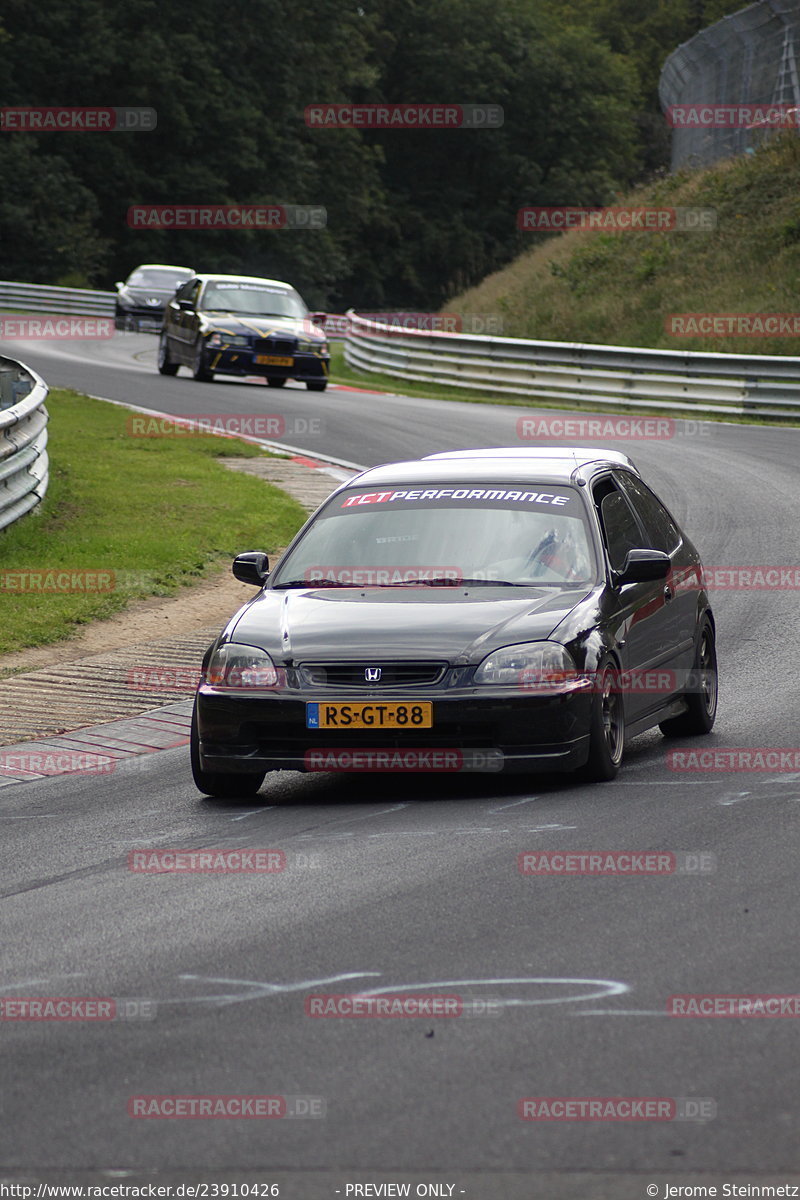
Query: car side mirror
252, 567
643, 566
185, 305
119, 284
318, 318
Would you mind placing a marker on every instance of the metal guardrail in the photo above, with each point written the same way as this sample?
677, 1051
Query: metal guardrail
24, 466
564, 372
35, 297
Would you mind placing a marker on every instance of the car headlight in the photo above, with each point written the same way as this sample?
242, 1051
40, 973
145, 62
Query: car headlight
235, 666
228, 339
307, 346
532, 665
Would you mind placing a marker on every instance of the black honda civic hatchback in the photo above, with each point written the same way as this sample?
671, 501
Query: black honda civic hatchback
479, 610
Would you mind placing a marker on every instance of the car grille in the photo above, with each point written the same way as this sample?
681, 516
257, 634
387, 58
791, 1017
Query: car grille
353, 674
276, 346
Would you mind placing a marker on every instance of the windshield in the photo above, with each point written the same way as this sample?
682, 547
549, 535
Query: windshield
524, 535
256, 300
164, 280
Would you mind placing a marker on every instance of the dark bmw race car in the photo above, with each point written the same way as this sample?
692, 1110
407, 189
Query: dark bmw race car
482, 609
243, 325
141, 299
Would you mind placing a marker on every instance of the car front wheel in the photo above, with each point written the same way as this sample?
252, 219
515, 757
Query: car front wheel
607, 732
165, 364
226, 785
200, 368
316, 385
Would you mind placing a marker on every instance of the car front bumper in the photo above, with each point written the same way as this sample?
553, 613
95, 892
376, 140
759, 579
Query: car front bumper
471, 732
239, 361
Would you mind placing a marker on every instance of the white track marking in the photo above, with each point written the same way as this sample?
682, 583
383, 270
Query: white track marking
607, 987
514, 804
258, 989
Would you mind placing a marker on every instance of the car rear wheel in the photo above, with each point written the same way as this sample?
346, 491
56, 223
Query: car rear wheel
701, 700
165, 364
316, 385
607, 733
200, 369
276, 382
226, 785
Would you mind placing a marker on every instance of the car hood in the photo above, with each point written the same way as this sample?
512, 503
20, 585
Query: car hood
235, 324
396, 623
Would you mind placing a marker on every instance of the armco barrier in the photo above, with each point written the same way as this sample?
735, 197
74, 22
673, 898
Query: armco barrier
23, 440
35, 297
565, 372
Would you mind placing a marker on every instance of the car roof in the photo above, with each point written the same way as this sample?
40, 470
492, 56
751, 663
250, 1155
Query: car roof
161, 267
205, 277
573, 454
554, 464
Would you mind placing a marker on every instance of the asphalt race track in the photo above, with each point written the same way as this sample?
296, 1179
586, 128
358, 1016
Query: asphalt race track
410, 884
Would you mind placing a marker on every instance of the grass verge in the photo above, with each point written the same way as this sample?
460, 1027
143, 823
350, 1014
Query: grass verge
147, 515
620, 288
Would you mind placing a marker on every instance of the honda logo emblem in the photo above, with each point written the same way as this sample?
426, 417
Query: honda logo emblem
372, 674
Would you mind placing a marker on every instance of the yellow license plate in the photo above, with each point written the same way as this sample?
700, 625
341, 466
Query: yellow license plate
369, 714
273, 360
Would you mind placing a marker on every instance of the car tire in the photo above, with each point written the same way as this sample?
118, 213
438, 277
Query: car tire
607, 731
316, 385
701, 701
225, 785
200, 369
276, 382
165, 364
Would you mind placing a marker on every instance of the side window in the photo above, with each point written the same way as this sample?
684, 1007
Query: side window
620, 528
660, 528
